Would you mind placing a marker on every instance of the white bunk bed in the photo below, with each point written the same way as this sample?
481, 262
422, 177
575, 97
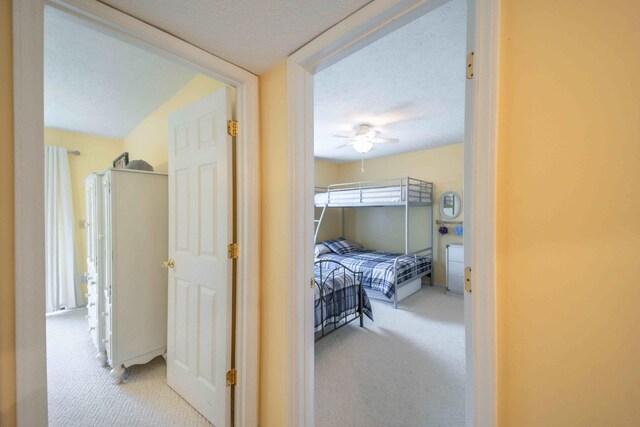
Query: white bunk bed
404, 192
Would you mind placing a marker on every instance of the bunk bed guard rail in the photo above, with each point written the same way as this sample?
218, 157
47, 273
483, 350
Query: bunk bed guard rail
398, 190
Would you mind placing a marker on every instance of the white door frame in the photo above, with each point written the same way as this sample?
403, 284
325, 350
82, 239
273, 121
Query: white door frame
28, 51
366, 25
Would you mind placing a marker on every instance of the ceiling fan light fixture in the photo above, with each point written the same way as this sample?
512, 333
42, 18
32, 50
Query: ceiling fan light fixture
362, 145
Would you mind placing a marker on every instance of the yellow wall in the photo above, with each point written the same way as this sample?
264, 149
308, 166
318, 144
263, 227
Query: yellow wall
383, 228
274, 251
97, 154
326, 173
568, 210
148, 140
568, 234
7, 310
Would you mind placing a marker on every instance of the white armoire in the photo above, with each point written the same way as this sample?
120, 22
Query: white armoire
130, 283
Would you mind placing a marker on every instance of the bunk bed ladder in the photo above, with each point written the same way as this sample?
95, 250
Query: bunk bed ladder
318, 222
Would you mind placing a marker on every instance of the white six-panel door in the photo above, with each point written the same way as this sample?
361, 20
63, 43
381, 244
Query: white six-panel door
200, 226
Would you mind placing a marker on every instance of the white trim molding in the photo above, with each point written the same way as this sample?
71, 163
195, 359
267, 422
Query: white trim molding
360, 29
481, 155
300, 114
28, 135
28, 43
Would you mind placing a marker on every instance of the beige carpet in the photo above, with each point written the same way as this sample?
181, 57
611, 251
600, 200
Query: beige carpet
405, 369
81, 392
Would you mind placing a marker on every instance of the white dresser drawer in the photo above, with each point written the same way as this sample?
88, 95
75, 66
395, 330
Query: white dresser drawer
92, 303
93, 331
455, 284
455, 253
106, 319
106, 342
455, 268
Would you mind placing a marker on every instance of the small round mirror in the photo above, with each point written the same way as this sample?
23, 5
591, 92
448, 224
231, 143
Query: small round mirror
450, 204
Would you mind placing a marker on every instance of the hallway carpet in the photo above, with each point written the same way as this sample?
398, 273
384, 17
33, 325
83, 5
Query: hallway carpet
81, 392
407, 368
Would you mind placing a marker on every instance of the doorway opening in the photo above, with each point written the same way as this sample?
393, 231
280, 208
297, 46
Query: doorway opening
389, 162
131, 140
363, 202
138, 143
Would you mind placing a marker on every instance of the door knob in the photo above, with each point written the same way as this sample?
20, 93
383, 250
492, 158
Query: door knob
168, 264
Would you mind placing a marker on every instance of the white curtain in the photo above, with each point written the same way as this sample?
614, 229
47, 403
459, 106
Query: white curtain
60, 260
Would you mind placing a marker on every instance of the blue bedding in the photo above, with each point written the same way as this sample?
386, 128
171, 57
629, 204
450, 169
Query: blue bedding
337, 295
377, 268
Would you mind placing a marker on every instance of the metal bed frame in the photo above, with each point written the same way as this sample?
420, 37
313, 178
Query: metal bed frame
328, 296
413, 192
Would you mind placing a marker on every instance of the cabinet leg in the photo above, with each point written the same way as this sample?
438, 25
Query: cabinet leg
164, 356
117, 373
101, 357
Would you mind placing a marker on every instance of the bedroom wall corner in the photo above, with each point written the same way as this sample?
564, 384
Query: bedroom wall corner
7, 279
274, 248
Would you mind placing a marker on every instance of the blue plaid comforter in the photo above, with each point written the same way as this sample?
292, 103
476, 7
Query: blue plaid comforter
377, 268
337, 296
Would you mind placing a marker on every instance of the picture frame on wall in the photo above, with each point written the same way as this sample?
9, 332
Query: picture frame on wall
121, 161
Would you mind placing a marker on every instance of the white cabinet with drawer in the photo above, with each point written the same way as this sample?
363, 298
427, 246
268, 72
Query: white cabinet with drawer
135, 237
127, 240
455, 268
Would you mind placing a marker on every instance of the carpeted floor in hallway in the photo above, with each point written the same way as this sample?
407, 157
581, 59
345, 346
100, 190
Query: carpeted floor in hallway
81, 392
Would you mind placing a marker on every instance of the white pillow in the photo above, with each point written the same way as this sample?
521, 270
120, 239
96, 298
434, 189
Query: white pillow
321, 249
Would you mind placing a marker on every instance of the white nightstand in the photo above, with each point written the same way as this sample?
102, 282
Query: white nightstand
455, 268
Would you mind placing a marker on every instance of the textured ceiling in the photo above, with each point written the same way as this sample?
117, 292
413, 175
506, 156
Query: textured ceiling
96, 84
253, 34
410, 84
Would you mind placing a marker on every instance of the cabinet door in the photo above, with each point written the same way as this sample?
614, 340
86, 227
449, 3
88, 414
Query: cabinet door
107, 234
106, 269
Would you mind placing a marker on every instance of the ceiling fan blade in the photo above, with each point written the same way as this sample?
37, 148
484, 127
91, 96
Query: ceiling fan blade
384, 140
343, 136
344, 145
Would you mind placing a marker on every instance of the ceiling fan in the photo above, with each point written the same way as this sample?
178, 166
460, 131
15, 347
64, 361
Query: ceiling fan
364, 138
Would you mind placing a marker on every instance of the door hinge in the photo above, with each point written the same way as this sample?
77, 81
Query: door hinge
467, 279
232, 251
470, 66
232, 377
232, 127
312, 282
